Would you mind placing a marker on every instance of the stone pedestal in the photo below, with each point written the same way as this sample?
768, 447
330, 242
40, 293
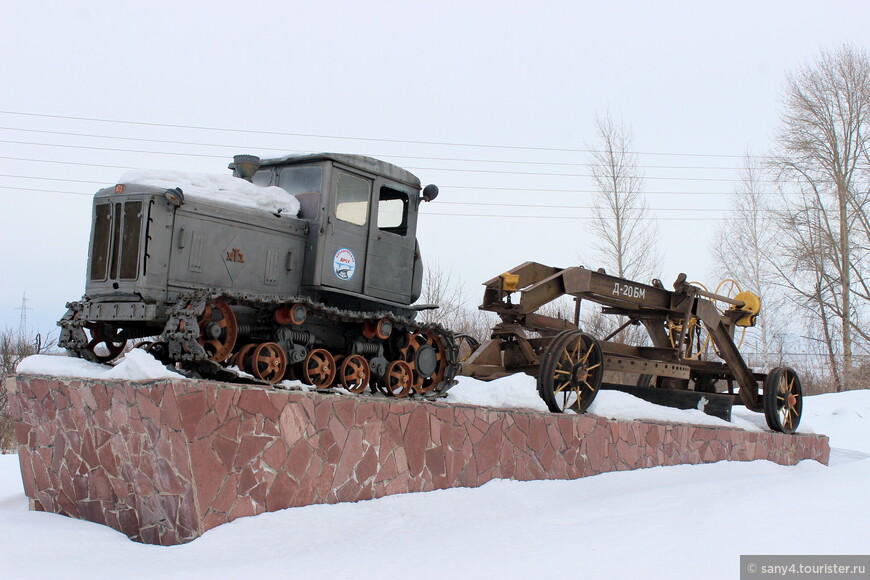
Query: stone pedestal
164, 461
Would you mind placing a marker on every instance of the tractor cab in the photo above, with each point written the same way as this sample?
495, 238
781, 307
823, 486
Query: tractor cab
362, 216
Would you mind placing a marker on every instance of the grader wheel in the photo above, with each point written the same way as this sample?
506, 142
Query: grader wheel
571, 372
354, 373
268, 362
318, 368
783, 400
217, 330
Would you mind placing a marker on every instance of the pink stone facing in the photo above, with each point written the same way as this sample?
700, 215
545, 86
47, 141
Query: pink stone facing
164, 461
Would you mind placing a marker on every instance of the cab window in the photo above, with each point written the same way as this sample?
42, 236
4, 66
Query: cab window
352, 198
393, 211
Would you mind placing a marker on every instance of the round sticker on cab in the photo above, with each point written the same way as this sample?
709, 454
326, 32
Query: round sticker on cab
344, 264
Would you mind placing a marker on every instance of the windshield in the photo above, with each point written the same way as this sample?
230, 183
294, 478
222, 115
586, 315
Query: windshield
300, 179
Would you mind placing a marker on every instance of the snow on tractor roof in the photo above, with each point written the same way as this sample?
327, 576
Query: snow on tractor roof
224, 189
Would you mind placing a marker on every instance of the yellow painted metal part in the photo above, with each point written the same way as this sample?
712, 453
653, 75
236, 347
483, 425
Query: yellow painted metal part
751, 307
509, 282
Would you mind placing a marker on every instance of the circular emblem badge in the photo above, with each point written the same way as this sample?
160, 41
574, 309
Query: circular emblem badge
344, 264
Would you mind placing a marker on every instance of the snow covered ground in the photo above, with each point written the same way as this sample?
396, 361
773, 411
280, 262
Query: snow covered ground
663, 522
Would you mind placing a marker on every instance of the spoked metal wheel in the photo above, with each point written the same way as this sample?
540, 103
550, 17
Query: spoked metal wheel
354, 373
242, 358
783, 400
398, 379
101, 346
571, 372
268, 362
318, 368
217, 330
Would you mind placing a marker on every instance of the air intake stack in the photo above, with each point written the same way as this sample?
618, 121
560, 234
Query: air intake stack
245, 166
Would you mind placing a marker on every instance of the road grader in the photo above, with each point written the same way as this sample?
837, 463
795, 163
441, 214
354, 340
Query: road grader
690, 359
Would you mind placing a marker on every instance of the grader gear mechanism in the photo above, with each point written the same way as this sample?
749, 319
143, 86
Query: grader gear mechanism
571, 365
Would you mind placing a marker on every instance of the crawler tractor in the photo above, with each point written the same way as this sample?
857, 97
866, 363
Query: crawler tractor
233, 290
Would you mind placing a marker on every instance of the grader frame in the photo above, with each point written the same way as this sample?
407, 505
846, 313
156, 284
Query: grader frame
570, 364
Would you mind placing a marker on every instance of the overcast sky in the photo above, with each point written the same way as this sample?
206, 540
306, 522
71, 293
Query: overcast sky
493, 101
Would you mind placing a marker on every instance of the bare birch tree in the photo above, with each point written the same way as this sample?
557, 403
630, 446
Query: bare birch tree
623, 237
626, 239
741, 252
823, 153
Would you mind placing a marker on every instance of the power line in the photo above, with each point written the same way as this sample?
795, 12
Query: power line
444, 187
51, 179
285, 150
674, 209
47, 190
463, 170
114, 149
563, 217
64, 162
342, 137
440, 203
539, 190
560, 174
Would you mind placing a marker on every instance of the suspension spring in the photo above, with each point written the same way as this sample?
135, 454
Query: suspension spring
300, 336
247, 329
365, 348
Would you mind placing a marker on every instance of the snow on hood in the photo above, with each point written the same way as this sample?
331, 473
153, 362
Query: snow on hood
225, 189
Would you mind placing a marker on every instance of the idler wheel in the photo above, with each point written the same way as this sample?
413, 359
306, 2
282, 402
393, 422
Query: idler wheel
101, 347
783, 400
218, 330
354, 373
398, 379
425, 354
571, 372
268, 362
318, 368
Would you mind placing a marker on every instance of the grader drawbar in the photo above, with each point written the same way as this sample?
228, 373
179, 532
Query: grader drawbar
691, 360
